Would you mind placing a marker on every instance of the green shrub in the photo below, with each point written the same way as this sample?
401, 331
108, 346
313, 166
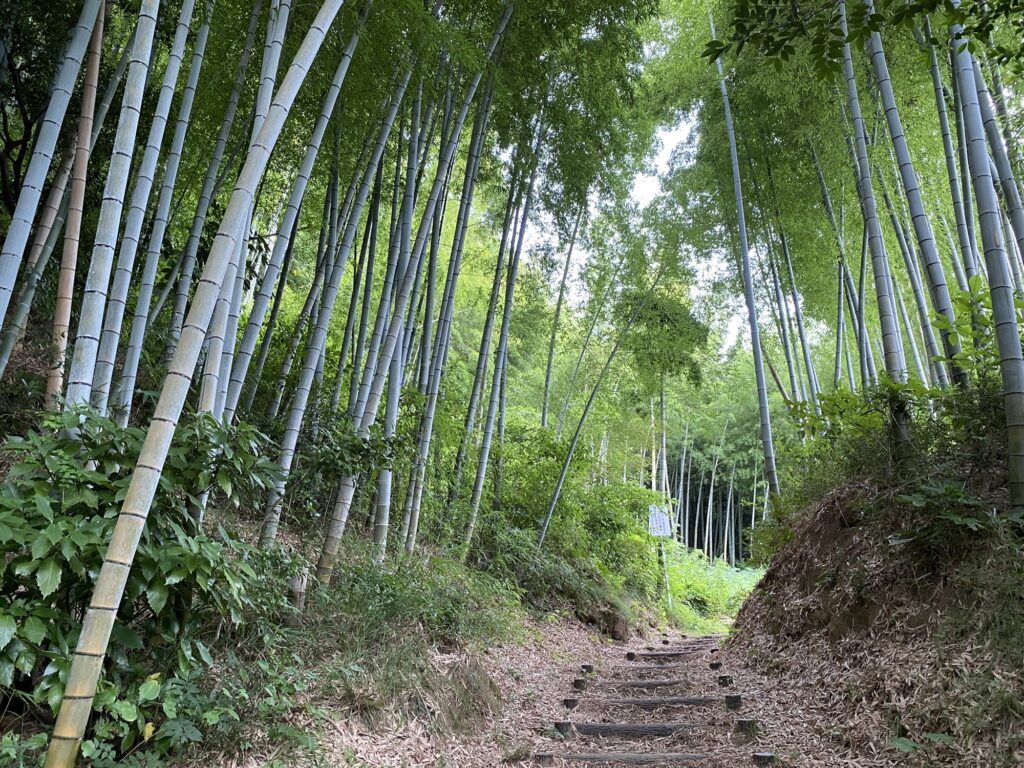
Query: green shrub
706, 595
58, 509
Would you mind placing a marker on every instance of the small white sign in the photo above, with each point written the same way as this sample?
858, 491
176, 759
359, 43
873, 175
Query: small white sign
658, 522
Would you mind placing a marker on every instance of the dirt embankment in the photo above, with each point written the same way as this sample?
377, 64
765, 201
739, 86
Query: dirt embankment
901, 637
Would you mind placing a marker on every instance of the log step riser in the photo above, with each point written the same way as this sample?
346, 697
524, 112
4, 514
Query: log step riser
624, 730
628, 758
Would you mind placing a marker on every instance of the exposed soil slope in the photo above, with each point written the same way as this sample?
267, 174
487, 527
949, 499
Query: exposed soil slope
900, 627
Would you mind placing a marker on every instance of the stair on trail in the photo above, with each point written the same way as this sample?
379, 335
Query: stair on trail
622, 730
631, 668
626, 758
637, 684
650, 681
660, 702
670, 655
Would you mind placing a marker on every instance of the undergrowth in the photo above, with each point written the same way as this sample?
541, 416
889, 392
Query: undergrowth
209, 656
882, 555
706, 595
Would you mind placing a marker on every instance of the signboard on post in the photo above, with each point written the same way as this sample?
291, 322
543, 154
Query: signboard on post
658, 521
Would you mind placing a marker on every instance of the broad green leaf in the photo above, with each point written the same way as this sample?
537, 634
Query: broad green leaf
33, 630
156, 595
7, 629
40, 547
149, 690
126, 637
48, 577
175, 576
126, 710
904, 744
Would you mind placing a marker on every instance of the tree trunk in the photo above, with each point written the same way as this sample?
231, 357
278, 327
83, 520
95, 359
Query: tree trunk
69, 257
895, 364
767, 443
501, 353
554, 322
952, 174
208, 190
1004, 313
511, 215
257, 314
86, 665
922, 372
109, 342
370, 388
919, 219
364, 312
442, 343
812, 376
94, 298
1001, 158
966, 194
20, 227
931, 348
296, 414
130, 237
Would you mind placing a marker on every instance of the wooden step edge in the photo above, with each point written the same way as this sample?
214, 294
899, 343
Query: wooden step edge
611, 683
629, 758
656, 703
654, 655
638, 730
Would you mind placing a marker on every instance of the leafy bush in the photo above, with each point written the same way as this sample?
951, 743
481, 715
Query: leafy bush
947, 493
57, 512
706, 595
547, 582
328, 450
597, 544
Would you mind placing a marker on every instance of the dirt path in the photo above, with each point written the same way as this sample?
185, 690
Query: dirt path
530, 680
534, 678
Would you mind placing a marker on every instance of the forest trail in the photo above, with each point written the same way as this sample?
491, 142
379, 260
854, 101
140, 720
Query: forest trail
684, 713
670, 699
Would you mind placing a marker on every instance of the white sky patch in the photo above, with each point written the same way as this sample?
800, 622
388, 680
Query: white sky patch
647, 186
732, 332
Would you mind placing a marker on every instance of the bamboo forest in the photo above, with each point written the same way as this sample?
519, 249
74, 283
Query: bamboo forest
472, 383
